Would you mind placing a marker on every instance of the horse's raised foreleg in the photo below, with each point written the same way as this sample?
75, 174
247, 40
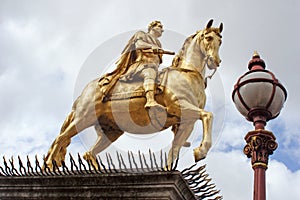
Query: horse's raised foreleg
201, 151
181, 134
103, 141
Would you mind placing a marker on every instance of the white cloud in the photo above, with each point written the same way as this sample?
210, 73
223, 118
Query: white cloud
233, 174
281, 182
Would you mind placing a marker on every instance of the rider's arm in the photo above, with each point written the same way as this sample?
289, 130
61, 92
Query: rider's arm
140, 42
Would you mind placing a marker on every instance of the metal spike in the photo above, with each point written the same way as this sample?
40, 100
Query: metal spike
188, 169
90, 165
161, 161
46, 167
7, 169
130, 164
81, 164
21, 167
29, 167
151, 161
2, 172
112, 163
55, 166
65, 168
156, 165
145, 161
38, 168
141, 162
73, 164
119, 161
102, 165
108, 163
134, 161
14, 171
98, 170
123, 163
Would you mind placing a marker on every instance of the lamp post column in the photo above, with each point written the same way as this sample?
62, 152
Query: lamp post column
260, 144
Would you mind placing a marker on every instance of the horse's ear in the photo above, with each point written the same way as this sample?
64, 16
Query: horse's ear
221, 27
209, 24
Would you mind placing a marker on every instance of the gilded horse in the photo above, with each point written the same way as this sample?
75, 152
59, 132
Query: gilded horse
182, 93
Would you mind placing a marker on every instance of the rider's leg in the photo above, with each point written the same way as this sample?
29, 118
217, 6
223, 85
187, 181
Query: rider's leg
149, 75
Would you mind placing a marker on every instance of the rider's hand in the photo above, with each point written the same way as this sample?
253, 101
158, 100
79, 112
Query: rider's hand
156, 49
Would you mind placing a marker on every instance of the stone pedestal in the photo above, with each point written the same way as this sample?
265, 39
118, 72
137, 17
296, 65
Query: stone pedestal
152, 185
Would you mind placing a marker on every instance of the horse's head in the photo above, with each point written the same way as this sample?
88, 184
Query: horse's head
210, 40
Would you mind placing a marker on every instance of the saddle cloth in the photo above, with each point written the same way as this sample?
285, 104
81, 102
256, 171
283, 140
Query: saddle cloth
124, 90
133, 89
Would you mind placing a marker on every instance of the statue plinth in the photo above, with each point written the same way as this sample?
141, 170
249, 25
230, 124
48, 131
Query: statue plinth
82, 180
154, 185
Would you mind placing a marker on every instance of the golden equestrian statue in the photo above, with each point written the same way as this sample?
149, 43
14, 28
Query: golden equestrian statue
138, 99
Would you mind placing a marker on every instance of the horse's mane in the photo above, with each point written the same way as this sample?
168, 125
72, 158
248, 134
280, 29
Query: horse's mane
186, 43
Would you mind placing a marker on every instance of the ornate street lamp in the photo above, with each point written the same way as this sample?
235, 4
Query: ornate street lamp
259, 97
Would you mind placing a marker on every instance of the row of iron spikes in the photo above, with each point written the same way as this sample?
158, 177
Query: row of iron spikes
142, 160
38, 171
195, 177
190, 171
12, 171
207, 195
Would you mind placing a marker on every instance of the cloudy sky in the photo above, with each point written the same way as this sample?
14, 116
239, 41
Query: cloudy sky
51, 49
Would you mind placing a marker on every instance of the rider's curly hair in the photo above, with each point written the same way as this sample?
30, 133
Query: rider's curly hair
153, 24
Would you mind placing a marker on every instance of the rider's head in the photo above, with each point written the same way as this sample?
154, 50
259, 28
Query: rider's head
155, 26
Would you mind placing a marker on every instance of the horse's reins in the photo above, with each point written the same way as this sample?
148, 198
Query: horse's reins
210, 76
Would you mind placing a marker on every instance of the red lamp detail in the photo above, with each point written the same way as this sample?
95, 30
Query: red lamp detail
258, 95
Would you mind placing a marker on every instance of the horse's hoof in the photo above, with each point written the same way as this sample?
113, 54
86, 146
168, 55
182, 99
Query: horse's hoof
89, 157
199, 154
47, 166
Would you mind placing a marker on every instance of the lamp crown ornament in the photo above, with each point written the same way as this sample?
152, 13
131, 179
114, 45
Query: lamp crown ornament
256, 62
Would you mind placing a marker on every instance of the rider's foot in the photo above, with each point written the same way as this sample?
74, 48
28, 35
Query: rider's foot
153, 104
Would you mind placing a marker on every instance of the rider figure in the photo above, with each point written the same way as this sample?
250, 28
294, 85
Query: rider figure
144, 52
140, 58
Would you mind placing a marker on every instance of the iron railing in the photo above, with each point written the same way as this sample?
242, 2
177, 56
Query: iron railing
196, 176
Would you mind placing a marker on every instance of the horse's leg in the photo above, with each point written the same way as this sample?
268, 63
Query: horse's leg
49, 157
58, 148
175, 129
201, 151
103, 141
181, 134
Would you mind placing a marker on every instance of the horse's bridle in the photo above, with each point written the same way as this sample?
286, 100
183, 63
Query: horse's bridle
206, 59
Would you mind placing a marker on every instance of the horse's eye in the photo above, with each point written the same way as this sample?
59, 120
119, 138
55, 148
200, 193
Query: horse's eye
209, 38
